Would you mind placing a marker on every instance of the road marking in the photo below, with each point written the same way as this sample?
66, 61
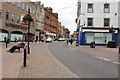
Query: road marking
105, 59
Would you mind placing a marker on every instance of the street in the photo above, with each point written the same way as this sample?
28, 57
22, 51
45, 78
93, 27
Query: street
82, 64
58, 60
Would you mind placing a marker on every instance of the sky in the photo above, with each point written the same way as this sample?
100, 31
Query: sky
66, 9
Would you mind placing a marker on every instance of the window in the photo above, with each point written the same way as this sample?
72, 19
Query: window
23, 6
106, 22
13, 3
7, 15
106, 8
90, 8
0, 13
18, 4
13, 17
27, 8
31, 10
90, 21
18, 19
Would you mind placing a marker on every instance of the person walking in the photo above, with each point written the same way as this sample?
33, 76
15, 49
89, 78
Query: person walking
71, 41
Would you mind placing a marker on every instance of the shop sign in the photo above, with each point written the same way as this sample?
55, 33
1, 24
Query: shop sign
15, 26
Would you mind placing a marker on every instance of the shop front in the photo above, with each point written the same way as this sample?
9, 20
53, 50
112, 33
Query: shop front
100, 36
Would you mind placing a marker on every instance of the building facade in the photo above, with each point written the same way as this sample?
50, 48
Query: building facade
39, 21
51, 23
12, 14
95, 20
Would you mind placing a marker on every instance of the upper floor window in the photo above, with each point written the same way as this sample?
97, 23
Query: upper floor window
0, 13
90, 21
90, 8
13, 17
106, 8
27, 8
23, 6
18, 19
8, 0
106, 22
30, 10
7, 15
18, 4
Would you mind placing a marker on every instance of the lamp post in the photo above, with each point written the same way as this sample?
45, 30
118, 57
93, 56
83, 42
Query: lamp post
28, 32
28, 19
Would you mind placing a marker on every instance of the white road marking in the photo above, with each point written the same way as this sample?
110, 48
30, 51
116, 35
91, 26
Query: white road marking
105, 59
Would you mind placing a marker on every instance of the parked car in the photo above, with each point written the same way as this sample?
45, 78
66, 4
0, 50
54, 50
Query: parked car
48, 39
61, 39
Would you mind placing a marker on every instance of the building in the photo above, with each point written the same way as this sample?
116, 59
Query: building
51, 23
65, 32
39, 21
95, 19
12, 14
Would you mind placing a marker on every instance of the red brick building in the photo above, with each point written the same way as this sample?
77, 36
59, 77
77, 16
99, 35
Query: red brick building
52, 26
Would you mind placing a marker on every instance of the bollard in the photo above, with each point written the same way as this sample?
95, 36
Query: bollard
6, 44
24, 62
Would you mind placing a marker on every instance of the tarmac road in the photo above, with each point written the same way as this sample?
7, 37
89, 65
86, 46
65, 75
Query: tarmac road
83, 65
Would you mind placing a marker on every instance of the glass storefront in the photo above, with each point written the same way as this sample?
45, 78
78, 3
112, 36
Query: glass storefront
18, 36
100, 38
2, 35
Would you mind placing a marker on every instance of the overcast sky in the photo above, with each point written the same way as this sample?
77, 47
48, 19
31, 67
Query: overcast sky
67, 10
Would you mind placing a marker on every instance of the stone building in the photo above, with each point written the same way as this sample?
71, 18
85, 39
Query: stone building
51, 24
39, 21
12, 13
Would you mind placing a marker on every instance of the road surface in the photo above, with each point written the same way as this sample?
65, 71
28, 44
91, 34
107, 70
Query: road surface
83, 65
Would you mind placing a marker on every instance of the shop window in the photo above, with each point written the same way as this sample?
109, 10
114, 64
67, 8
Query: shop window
106, 8
90, 8
106, 22
7, 15
90, 21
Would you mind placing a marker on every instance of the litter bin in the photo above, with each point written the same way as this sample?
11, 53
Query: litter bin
77, 44
111, 44
92, 45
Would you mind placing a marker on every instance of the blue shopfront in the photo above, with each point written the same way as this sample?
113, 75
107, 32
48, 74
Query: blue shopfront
100, 36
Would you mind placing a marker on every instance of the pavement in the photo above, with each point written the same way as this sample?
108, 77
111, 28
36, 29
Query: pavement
42, 64
99, 51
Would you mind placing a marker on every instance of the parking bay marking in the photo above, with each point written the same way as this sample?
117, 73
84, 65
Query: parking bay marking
105, 59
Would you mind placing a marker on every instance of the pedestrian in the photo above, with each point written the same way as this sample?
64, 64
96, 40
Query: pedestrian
71, 41
18, 45
67, 41
5, 39
15, 39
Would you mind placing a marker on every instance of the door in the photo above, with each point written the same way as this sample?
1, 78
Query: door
107, 37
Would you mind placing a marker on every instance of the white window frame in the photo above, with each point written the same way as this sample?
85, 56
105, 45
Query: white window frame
18, 19
107, 10
23, 6
27, 8
90, 10
18, 4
